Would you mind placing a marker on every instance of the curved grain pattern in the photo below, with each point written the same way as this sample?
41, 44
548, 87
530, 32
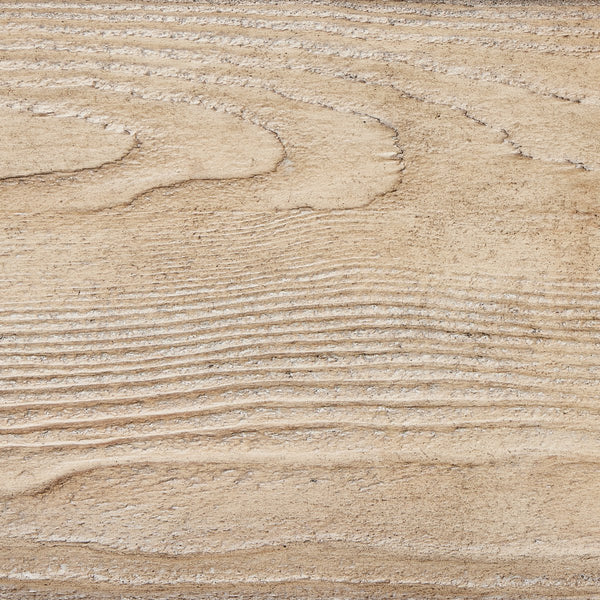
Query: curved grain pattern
299, 299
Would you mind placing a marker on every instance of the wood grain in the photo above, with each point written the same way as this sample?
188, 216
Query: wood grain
299, 299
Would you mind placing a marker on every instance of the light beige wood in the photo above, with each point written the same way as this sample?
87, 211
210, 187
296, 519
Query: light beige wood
299, 300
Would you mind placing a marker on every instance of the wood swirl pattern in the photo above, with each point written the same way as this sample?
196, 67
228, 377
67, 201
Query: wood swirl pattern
299, 299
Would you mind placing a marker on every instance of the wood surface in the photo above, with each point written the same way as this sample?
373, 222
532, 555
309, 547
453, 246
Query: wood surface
299, 300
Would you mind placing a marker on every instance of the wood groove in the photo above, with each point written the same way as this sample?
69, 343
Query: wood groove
299, 299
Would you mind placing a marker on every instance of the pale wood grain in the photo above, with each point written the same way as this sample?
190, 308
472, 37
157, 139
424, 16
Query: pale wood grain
299, 300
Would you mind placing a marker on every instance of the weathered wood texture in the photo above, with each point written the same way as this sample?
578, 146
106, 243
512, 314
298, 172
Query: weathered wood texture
299, 300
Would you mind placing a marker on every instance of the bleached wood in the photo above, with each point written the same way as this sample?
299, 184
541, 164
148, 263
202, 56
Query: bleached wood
299, 300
